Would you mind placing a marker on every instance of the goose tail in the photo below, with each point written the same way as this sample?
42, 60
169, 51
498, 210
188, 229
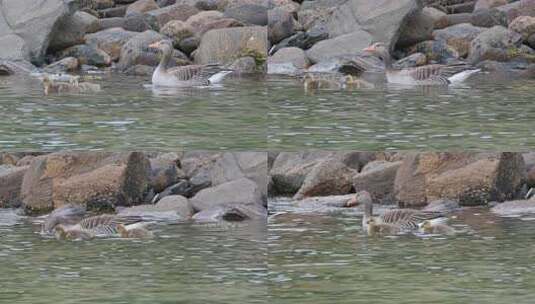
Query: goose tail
218, 77
462, 76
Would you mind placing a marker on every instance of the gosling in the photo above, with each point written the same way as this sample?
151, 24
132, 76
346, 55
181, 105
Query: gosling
50, 86
134, 231
433, 227
63, 233
373, 227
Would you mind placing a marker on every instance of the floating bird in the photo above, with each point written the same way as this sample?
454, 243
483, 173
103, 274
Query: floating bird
73, 86
374, 227
315, 81
183, 76
436, 227
67, 215
404, 219
135, 231
432, 74
64, 233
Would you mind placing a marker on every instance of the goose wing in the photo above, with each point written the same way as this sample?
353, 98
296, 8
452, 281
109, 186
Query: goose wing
409, 218
105, 224
194, 73
436, 72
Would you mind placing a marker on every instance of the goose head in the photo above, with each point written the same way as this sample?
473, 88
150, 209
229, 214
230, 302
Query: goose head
361, 198
164, 46
380, 50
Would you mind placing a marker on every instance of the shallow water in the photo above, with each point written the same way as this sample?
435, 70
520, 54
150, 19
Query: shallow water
182, 264
320, 258
128, 114
483, 113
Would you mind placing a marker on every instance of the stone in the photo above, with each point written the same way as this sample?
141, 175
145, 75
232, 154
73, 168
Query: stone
524, 25
468, 177
142, 6
71, 31
110, 41
459, 37
489, 18
413, 60
418, 27
487, 4
201, 18
188, 45
101, 4
290, 169
377, 178
140, 70
329, 177
226, 45
87, 54
173, 208
530, 180
245, 64
243, 191
67, 64
442, 205
136, 50
435, 51
163, 174
231, 213
293, 55
348, 44
303, 40
27, 26
531, 41
11, 180
518, 8
221, 23
174, 12
118, 11
98, 180
280, 25
493, 44
251, 14
107, 23
438, 17
514, 207
236, 165
138, 22
176, 30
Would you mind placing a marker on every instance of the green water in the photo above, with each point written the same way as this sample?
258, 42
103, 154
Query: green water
182, 264
326, 258
128, 114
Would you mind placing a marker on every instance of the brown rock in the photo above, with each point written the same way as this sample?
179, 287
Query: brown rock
487, 4
378, 179
174, 12
141, 6
524, 25
11, 181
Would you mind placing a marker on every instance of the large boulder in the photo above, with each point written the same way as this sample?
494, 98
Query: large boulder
27, 26
524, 25
291, 55
226, 45
11, 180
87, 54
141, 6
177, 30
71, 30
281, 25
242, 191
164, 172
92, 179
518, 8
469, 178
231, 213
418, 27
378, 178
487, 4
110, 41
495, 43
459, 36
348, 44
136, 50
171, 207
253, 14
173, 12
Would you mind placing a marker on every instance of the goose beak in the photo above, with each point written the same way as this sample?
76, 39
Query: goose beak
352, 202
154, 45
371, 48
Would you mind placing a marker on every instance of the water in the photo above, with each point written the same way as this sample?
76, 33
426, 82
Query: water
183, 264
320, 258
129, 115
483, 114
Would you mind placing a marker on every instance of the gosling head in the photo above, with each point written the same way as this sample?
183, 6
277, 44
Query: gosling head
122, 230
60, 233
426, 225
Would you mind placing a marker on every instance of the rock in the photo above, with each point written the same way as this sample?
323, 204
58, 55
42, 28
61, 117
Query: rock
93, 179
136, 50
328, 177
280, 25
441, 205
174, 12
493, 44
516, 207
436, 51
439, 18
107, 23
188, 45
138, 22
101, 4
173, 208
217, 24
312, 13
177, 30
283, 69
377, 178
198, 166
25, 161
163, 174
303, 40
110, 41
524, 25
531, 41
251, 14
27, 26
225, 45
469, 178
87, 54
236, 165
418, 27
292, 55
243, 191
244, 65
71, 31
141, 6
489, 18
348, 44
231, 213
346, 64
11, 181
118, 11
414, 60
530, 180
454, 19
290, 169
487, 4
459, 36
518, 8
67, 64
200, 19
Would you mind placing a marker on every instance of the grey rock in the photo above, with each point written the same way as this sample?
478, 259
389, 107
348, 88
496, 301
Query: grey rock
280, 25
348, 44
418, 27
459, 36
107, 23
231, 213
292, 55
136, 50
493, 44
71, 31
243, 191
87, 54
252, 14
110, 41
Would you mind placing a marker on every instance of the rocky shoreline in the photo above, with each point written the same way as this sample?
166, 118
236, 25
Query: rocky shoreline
178, 187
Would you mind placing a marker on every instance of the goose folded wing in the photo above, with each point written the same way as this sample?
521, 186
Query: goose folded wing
436, 71
409, 218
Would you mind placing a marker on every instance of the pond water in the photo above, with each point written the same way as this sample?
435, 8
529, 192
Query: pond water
484, 113
129, 114
320, 258
182, 264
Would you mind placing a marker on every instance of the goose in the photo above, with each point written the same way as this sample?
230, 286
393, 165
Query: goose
182, 76
67, 215
432, 74
404, 219
104, 225
134, 231
436, 227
